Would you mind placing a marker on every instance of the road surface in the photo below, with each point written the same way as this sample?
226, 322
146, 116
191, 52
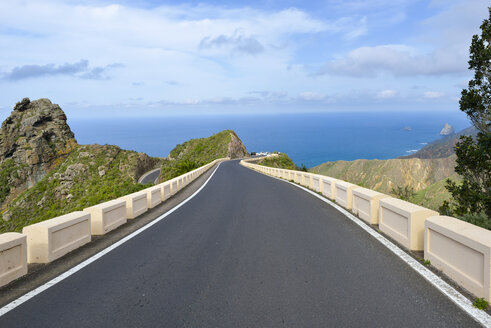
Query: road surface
151, 176
247, 251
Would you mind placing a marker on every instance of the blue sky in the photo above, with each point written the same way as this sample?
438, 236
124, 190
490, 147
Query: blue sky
136, 58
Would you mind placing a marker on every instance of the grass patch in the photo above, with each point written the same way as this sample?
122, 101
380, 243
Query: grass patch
480, 303
282, 161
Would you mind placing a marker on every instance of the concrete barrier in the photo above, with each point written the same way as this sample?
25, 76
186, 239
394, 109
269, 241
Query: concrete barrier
13, 257
344, 193
366, 204
329, 187
107, 216
307, 180
298, 178
136, 204
154, 196
51, 239
404, 222
316, 183
174, 188
460, 250
165, 191
287, 175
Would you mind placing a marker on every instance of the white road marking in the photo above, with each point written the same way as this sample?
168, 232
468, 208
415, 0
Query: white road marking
12, 305
460, 300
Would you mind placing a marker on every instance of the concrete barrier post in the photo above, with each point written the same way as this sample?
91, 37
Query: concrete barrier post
154, 196
107, 216
298, 177
174, 188
460, 250
316, 183
51, 239
329, 187
306, 180
166, 191
136, 204
13, 257
344, 193
404, 222
366, 204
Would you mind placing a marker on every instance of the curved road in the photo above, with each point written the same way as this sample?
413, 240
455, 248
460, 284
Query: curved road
150, 176
247, 251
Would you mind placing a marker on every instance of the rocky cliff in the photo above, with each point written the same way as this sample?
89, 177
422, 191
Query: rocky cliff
33, 138
45, 173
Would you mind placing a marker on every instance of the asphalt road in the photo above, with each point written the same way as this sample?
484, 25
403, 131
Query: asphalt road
247, 251
150, 177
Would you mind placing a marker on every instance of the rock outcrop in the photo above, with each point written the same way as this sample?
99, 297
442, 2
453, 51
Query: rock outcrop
236, 148
34, 136
443, 147
447, 130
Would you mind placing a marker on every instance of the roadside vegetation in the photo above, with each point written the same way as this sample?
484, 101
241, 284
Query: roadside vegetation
89, 175
282, 161
194, 153
471, 198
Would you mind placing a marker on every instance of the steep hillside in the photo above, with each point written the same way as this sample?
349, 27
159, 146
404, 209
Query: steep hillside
384, 175
45, 173
197, 152
91, 174
433, 196
443, 147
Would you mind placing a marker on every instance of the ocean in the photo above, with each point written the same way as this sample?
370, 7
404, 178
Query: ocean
309, 139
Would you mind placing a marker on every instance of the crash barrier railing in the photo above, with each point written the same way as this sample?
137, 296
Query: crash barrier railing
459, 249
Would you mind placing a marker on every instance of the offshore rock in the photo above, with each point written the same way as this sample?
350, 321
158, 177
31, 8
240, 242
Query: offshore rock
447, 130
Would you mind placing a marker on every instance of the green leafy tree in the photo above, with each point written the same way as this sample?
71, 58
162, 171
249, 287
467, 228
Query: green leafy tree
404, 193
472, 198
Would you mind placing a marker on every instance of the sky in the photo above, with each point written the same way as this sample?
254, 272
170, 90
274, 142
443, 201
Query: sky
154, 58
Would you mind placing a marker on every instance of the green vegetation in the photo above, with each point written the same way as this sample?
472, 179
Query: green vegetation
194, 153
303, 168
425, 262
8, 170
433, 196
480, 303
203, 150
404, 193
281, 161
471, 199
90, 175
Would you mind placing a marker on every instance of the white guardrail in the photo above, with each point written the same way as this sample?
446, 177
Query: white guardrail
49, 240
459, 249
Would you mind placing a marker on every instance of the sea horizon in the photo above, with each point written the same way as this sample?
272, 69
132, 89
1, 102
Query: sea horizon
308, 138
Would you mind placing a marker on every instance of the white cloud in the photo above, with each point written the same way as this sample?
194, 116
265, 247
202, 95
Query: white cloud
386, 94
311, 96
206, 55
399, 60
433, 94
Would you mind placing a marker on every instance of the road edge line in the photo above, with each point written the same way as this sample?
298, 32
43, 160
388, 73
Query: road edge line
24, 298
457, 298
